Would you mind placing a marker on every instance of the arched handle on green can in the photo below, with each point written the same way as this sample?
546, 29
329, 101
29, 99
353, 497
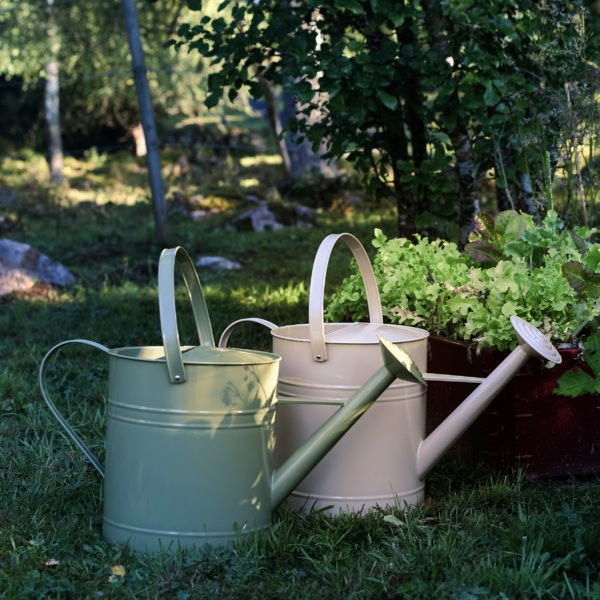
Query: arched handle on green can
170, 258
60, 418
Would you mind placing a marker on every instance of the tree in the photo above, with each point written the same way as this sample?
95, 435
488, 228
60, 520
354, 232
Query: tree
147, 118
55, 150
96, 87
418, 93
64, 44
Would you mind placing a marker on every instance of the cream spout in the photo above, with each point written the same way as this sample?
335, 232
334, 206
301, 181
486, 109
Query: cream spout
439, 441
531, 343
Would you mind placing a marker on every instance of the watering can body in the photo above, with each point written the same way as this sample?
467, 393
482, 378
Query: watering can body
374, 463
190, 431
188, 465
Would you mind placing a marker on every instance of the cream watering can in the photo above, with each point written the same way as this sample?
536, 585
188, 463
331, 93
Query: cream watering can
385, 457
190, 430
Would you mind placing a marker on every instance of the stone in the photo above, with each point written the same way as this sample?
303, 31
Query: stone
217, 262
21, 266
274, 216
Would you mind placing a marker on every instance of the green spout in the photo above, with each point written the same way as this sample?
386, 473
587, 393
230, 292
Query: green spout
396, 364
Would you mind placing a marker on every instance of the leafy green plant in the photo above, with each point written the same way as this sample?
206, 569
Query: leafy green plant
510, 267
580, 380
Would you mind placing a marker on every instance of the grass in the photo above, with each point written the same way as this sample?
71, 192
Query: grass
477, 535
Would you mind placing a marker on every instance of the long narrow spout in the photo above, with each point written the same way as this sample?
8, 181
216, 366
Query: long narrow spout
531, 343
441, 439
396, 364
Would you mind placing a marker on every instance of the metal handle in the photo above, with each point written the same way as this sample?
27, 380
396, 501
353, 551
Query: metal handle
229, 329
43, 387
317, 289
170, 258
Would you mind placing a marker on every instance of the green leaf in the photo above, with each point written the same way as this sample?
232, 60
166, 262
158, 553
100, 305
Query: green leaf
393, 520
397, 19
212, 100
575, 383
591, 354
591, 258
352, 6
491, 97
389, 101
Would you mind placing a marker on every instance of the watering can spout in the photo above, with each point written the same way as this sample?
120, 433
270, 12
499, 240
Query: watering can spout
532, 342
396, 364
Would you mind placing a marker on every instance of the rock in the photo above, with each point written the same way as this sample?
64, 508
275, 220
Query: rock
21, 266
15, 280
217, 262
274, 216
259, 218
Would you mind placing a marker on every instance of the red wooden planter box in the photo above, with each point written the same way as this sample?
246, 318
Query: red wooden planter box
527, 425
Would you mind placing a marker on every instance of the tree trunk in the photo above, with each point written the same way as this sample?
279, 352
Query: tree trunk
468, 198
275, 123
303, 159
147, 115
52, 100
442, 40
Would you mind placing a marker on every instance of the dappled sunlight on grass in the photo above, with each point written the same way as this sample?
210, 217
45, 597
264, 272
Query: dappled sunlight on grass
262, 159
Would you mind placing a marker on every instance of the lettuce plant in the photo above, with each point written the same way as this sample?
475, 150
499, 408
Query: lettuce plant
511, 266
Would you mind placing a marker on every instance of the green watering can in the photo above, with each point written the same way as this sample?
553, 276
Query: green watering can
190, 430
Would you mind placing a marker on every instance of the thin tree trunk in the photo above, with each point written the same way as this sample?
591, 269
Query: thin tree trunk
275, 123
147, 116
467, 192
52, 100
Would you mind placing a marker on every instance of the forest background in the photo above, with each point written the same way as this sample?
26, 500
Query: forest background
447, 108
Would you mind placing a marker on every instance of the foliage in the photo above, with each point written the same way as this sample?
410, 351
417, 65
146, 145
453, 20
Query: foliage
579, 381
430, 283
97, 93
410, 92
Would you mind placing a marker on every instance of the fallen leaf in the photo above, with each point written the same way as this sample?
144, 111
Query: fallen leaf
117, 573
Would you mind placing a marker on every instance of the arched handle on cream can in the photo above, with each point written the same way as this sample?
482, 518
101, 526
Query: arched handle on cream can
317, 289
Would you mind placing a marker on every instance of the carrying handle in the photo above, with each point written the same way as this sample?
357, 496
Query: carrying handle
229, 329
60, 418
170, 258
317, 289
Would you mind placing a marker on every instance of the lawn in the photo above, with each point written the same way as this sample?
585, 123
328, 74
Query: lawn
479, 534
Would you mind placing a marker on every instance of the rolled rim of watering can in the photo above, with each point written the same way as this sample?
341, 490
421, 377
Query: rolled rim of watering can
317, 289
534, 340
169, 259
353, 333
